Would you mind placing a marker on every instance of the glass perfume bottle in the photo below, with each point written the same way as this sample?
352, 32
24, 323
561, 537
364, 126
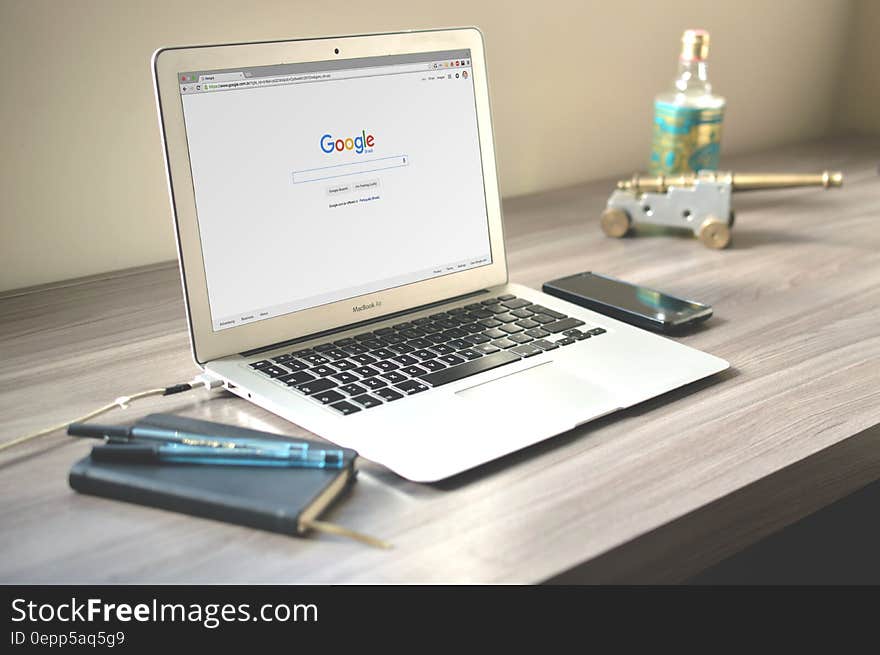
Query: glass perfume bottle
687, 120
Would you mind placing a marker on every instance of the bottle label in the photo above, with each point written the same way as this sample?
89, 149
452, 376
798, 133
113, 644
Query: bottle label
686, 139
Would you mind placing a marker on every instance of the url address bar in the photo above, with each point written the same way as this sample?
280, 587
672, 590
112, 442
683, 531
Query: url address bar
316, 77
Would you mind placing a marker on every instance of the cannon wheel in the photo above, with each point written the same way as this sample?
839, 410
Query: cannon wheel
615, 223
714, 233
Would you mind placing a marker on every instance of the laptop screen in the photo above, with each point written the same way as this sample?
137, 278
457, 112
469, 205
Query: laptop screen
324, 181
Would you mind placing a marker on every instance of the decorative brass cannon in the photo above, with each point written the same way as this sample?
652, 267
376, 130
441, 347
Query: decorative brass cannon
698, 202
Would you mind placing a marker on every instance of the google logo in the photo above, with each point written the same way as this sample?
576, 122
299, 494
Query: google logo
358, 143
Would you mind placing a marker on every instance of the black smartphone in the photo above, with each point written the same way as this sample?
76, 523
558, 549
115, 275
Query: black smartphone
647, 308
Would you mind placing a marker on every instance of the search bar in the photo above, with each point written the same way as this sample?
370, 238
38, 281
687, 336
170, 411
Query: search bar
354, 168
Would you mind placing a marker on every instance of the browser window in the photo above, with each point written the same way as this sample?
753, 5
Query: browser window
324, 181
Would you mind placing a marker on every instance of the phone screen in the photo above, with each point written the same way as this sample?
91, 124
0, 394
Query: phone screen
629, 297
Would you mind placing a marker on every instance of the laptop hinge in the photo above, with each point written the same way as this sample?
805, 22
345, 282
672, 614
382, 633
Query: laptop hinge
359, 324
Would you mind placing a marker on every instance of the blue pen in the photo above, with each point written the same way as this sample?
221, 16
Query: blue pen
173, 453
122, 434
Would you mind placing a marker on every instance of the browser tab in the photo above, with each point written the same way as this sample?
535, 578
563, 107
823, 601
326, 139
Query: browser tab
221, 77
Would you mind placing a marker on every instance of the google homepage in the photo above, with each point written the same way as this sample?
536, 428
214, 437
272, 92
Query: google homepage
333, 186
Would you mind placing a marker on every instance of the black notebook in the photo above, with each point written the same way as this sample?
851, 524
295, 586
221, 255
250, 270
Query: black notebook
287, 500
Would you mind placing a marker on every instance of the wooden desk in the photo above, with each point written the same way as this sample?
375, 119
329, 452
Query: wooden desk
655, 493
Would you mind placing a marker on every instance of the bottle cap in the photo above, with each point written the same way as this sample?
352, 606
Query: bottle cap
695, 45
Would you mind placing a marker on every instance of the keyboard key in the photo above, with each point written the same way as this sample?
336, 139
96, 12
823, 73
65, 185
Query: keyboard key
506, 318
454, 334
385, 365
473, 305
454, 311
366, 371
373, 344
474, 367
344, 342
486, 349
393, 338
537, 333
298, 378
406, 360
496, 309
367, 400
401, 348
436, 338
317, 386
322, 370
420, 343
538, 309
519, 338
421, 322
473, 328
597, 331
294, 365
523, 312
384, 331
335, 353
543, 344
345, 407
366, 336
542, 318
527, 350
353, 389
344, 364
504, 343
383, 353
394, 377
567, 341
324, 347
528, 324
443, 349
373, 383
261, 364
469, 353
315, 359
409, 387
423, 355
563, 325
281, 359
446, 323
431, 328
364, 359
302, 353
389, 395
516, 303
490, 323
481, 313
328, 397
452, 360
458, 344
479, 338
511, 328
433, 365
508, 296
273, 371
345, 378
402, 326
355, 349
414, 371
412, 333
491, 301
495, 333
576, 334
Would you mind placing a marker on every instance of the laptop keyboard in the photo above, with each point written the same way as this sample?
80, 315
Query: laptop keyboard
378, 367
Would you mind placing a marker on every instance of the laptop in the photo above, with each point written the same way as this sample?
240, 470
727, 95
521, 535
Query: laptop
341, 249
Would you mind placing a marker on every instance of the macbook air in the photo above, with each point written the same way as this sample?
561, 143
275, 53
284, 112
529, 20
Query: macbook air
341, 248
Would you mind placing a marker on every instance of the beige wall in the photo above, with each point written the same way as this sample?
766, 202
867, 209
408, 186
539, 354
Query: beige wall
859, 102
82, 185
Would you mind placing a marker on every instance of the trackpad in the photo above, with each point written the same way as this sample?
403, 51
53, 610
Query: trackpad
543, 391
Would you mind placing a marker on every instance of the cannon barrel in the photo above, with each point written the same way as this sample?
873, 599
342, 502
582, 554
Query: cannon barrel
738, 181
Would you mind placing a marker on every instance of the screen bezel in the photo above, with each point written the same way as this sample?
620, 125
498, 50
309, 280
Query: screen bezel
208, 344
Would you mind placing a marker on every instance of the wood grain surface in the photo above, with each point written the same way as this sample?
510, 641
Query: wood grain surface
654, 493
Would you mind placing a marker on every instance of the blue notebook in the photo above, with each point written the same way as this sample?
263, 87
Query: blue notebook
286, 500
